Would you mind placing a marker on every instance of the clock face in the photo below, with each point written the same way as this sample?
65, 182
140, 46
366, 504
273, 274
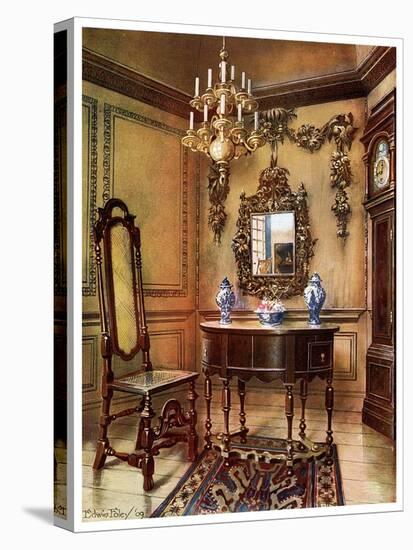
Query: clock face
381, 165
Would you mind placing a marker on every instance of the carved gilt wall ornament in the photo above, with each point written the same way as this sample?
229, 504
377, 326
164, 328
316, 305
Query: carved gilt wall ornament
275, 128
340, 130
218, 191
274, 195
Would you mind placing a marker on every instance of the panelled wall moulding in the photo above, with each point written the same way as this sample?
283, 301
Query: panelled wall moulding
89, 269
330, 315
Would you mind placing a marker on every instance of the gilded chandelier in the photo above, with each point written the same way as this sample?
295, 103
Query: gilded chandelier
223, 135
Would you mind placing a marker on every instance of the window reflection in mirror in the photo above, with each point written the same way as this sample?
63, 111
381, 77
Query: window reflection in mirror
273, 244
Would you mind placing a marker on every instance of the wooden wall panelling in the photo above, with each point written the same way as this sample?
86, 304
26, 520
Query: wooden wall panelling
145, 181
90, 353
172, 337
59, 194
345, 356
149, 117
131, 141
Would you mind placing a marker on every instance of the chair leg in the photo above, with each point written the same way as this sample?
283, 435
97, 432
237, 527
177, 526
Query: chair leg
103, 441
192, 435
148, 465
138, 444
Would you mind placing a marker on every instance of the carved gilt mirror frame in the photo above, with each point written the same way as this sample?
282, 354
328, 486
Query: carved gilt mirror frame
274, 195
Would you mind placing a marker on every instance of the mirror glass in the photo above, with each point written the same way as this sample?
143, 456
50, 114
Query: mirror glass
273, 244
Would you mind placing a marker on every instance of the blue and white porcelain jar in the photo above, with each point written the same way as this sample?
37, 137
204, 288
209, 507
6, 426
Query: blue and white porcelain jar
225, 300
314, 297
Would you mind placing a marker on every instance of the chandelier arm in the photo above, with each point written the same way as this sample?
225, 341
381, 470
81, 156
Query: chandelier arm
250, 148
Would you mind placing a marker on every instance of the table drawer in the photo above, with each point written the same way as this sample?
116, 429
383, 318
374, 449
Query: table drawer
320, 355
211, 349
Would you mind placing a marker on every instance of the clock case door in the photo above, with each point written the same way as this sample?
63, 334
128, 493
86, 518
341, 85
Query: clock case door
379, 405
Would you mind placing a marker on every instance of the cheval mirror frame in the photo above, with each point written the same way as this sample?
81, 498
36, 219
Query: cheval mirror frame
274, 195
124, 333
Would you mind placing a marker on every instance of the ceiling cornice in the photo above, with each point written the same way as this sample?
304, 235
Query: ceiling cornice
334, 87
343, 85
111, 75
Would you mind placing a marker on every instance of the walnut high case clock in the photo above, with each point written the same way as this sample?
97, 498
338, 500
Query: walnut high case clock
380, 144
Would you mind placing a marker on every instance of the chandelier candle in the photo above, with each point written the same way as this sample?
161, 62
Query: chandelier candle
222, 106
209, 78
223, 72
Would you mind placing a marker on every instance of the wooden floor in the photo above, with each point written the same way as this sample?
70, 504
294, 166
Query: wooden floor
367, 459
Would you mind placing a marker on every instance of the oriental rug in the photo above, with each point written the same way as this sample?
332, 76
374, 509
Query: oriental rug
245, 485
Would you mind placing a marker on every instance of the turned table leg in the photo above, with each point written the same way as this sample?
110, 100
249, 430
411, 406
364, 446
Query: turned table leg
208, 397
192, 435
289, 413
329, 408
303, 397
226, 407
242, 415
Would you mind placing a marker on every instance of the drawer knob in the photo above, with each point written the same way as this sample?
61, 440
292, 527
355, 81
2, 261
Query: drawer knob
323, 356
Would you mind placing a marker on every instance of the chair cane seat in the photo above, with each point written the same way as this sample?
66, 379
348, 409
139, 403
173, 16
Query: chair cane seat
152, 381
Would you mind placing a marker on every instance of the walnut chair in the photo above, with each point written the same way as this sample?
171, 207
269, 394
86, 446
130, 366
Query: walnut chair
125, 334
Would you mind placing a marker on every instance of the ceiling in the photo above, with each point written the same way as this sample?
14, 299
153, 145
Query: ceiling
175, 59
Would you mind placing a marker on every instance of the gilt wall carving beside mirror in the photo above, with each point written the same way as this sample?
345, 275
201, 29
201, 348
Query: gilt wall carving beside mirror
275, 128
273, 244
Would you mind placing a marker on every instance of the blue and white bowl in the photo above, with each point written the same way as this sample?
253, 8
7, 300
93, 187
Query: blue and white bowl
270, 318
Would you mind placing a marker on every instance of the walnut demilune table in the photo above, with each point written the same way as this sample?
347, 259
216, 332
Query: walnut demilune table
290, 352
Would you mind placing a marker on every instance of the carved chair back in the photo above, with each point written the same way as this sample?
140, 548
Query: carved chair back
120, 290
